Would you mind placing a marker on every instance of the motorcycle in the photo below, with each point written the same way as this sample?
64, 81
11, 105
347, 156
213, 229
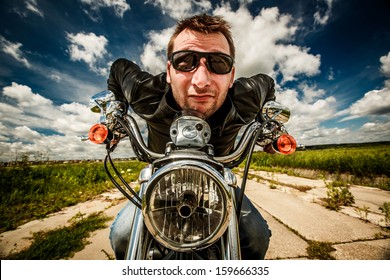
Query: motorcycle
186, 207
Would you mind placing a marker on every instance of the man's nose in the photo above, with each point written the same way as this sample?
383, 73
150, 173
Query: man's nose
201, 76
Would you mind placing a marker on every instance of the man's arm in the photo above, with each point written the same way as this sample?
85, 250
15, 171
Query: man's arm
250, 94
139, 89
123, 78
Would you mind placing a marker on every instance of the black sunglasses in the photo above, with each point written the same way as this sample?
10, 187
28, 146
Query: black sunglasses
216, 62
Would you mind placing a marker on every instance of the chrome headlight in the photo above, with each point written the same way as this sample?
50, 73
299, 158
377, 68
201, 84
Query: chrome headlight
186, 205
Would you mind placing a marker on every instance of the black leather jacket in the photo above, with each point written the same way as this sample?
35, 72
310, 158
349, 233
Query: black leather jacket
151, 98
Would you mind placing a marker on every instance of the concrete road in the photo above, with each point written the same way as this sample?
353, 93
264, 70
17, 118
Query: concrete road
295, 221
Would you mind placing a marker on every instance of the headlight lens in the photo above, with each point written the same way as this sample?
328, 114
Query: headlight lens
186, 206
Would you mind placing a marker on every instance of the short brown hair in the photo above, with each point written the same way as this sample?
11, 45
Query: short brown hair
205, 24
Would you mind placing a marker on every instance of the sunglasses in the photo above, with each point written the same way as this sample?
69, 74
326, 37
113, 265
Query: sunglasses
216, 62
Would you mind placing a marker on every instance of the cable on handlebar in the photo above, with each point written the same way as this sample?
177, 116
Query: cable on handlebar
238, 161
137, 148
249, 153
137, 201
123, 180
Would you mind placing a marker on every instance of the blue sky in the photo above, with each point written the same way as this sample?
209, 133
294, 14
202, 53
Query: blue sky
330, 60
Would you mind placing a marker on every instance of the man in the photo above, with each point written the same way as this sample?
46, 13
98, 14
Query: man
200, 76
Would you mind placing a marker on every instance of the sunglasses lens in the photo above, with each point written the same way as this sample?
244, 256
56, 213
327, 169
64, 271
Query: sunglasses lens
220, 63
185, 61
217, 63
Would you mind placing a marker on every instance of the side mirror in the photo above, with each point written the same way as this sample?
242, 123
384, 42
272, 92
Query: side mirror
104, 103
98, 103
275, 111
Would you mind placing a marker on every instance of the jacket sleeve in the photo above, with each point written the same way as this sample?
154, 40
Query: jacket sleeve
250, 94
139, 89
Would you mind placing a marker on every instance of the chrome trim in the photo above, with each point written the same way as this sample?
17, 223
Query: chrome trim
242, 145
134, 249
100, 102
145, 174
275, 111
230, 177
236, 154
190, 132
97, 103
136, 133
215, 176
233, 251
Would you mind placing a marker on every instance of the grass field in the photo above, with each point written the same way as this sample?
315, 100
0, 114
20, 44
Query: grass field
367, 165
33, 191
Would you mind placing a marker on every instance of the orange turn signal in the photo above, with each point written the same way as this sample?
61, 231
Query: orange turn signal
98, 133
286, 144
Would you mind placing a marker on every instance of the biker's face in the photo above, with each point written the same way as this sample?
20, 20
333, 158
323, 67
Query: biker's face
200, 89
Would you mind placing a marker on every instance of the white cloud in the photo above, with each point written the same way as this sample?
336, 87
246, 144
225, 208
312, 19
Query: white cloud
154, 56
89, 48
267, 49
27, 113
314, 108
307, 113
74, 84
32, 6
321, 135
331, 74
368, 132
24, 132
36, 111
294, 60
53, 147
375, 102
43, 128
322, 15
385, 67
373, 109
13, 49
25, 97
375, 131
255, 53
55, 77
179, 9
311, 92
119, 7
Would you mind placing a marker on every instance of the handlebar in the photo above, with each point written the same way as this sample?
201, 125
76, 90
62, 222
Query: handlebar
265, 130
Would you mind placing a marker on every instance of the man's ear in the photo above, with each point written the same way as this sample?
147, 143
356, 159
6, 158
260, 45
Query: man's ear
168, 72
232, 77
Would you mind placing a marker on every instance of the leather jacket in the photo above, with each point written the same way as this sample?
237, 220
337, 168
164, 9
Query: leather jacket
151, 98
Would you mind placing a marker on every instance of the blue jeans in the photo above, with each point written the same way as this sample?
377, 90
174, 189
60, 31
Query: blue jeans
253, 230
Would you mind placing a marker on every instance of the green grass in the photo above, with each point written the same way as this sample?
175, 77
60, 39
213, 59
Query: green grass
338, 194
32, 192
319, 250
367, 164
385, 208
63, 242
